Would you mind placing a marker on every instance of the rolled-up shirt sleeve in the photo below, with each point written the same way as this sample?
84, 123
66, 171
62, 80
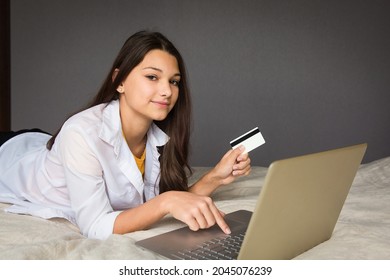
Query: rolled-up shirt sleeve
85, 182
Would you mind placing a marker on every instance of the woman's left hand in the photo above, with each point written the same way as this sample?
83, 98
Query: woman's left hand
235, 163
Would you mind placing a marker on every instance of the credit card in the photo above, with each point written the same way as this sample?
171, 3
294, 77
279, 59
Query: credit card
251, 140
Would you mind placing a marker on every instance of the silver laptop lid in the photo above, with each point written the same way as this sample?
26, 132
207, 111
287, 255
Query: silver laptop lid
300, 203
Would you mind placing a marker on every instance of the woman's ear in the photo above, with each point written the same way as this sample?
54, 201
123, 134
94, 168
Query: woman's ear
120, 88
115, 73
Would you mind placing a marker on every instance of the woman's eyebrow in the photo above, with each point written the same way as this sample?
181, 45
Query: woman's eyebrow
153, 68
159, 70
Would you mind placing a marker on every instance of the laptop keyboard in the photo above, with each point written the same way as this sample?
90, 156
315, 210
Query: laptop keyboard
221, 248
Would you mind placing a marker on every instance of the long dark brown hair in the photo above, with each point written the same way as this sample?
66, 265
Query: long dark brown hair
174, 155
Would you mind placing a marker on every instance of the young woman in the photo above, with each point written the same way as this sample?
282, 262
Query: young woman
121, 164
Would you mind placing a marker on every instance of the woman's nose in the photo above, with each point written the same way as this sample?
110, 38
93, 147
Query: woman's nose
165, 89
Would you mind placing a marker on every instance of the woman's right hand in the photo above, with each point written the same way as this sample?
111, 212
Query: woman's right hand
198, 212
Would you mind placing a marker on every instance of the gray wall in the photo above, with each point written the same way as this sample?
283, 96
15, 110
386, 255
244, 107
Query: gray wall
311, 74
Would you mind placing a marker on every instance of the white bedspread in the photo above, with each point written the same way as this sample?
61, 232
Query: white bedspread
362, 232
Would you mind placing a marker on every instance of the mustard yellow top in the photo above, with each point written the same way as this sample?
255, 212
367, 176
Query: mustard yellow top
141, 162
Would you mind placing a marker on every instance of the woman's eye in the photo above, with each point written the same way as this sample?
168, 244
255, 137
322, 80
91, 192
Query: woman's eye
151, 77
175, 82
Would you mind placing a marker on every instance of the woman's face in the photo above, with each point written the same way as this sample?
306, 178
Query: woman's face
151, 89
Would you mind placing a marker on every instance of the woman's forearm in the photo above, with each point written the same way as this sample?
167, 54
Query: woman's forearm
206, 185
141, 217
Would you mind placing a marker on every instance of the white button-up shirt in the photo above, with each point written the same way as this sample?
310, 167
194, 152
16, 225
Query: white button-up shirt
88, 177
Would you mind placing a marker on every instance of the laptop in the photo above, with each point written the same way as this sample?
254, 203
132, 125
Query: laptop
297, 209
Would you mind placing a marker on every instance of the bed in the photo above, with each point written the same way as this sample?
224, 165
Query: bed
362, 231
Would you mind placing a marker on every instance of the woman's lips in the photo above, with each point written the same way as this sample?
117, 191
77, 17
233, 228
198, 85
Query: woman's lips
161, 103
